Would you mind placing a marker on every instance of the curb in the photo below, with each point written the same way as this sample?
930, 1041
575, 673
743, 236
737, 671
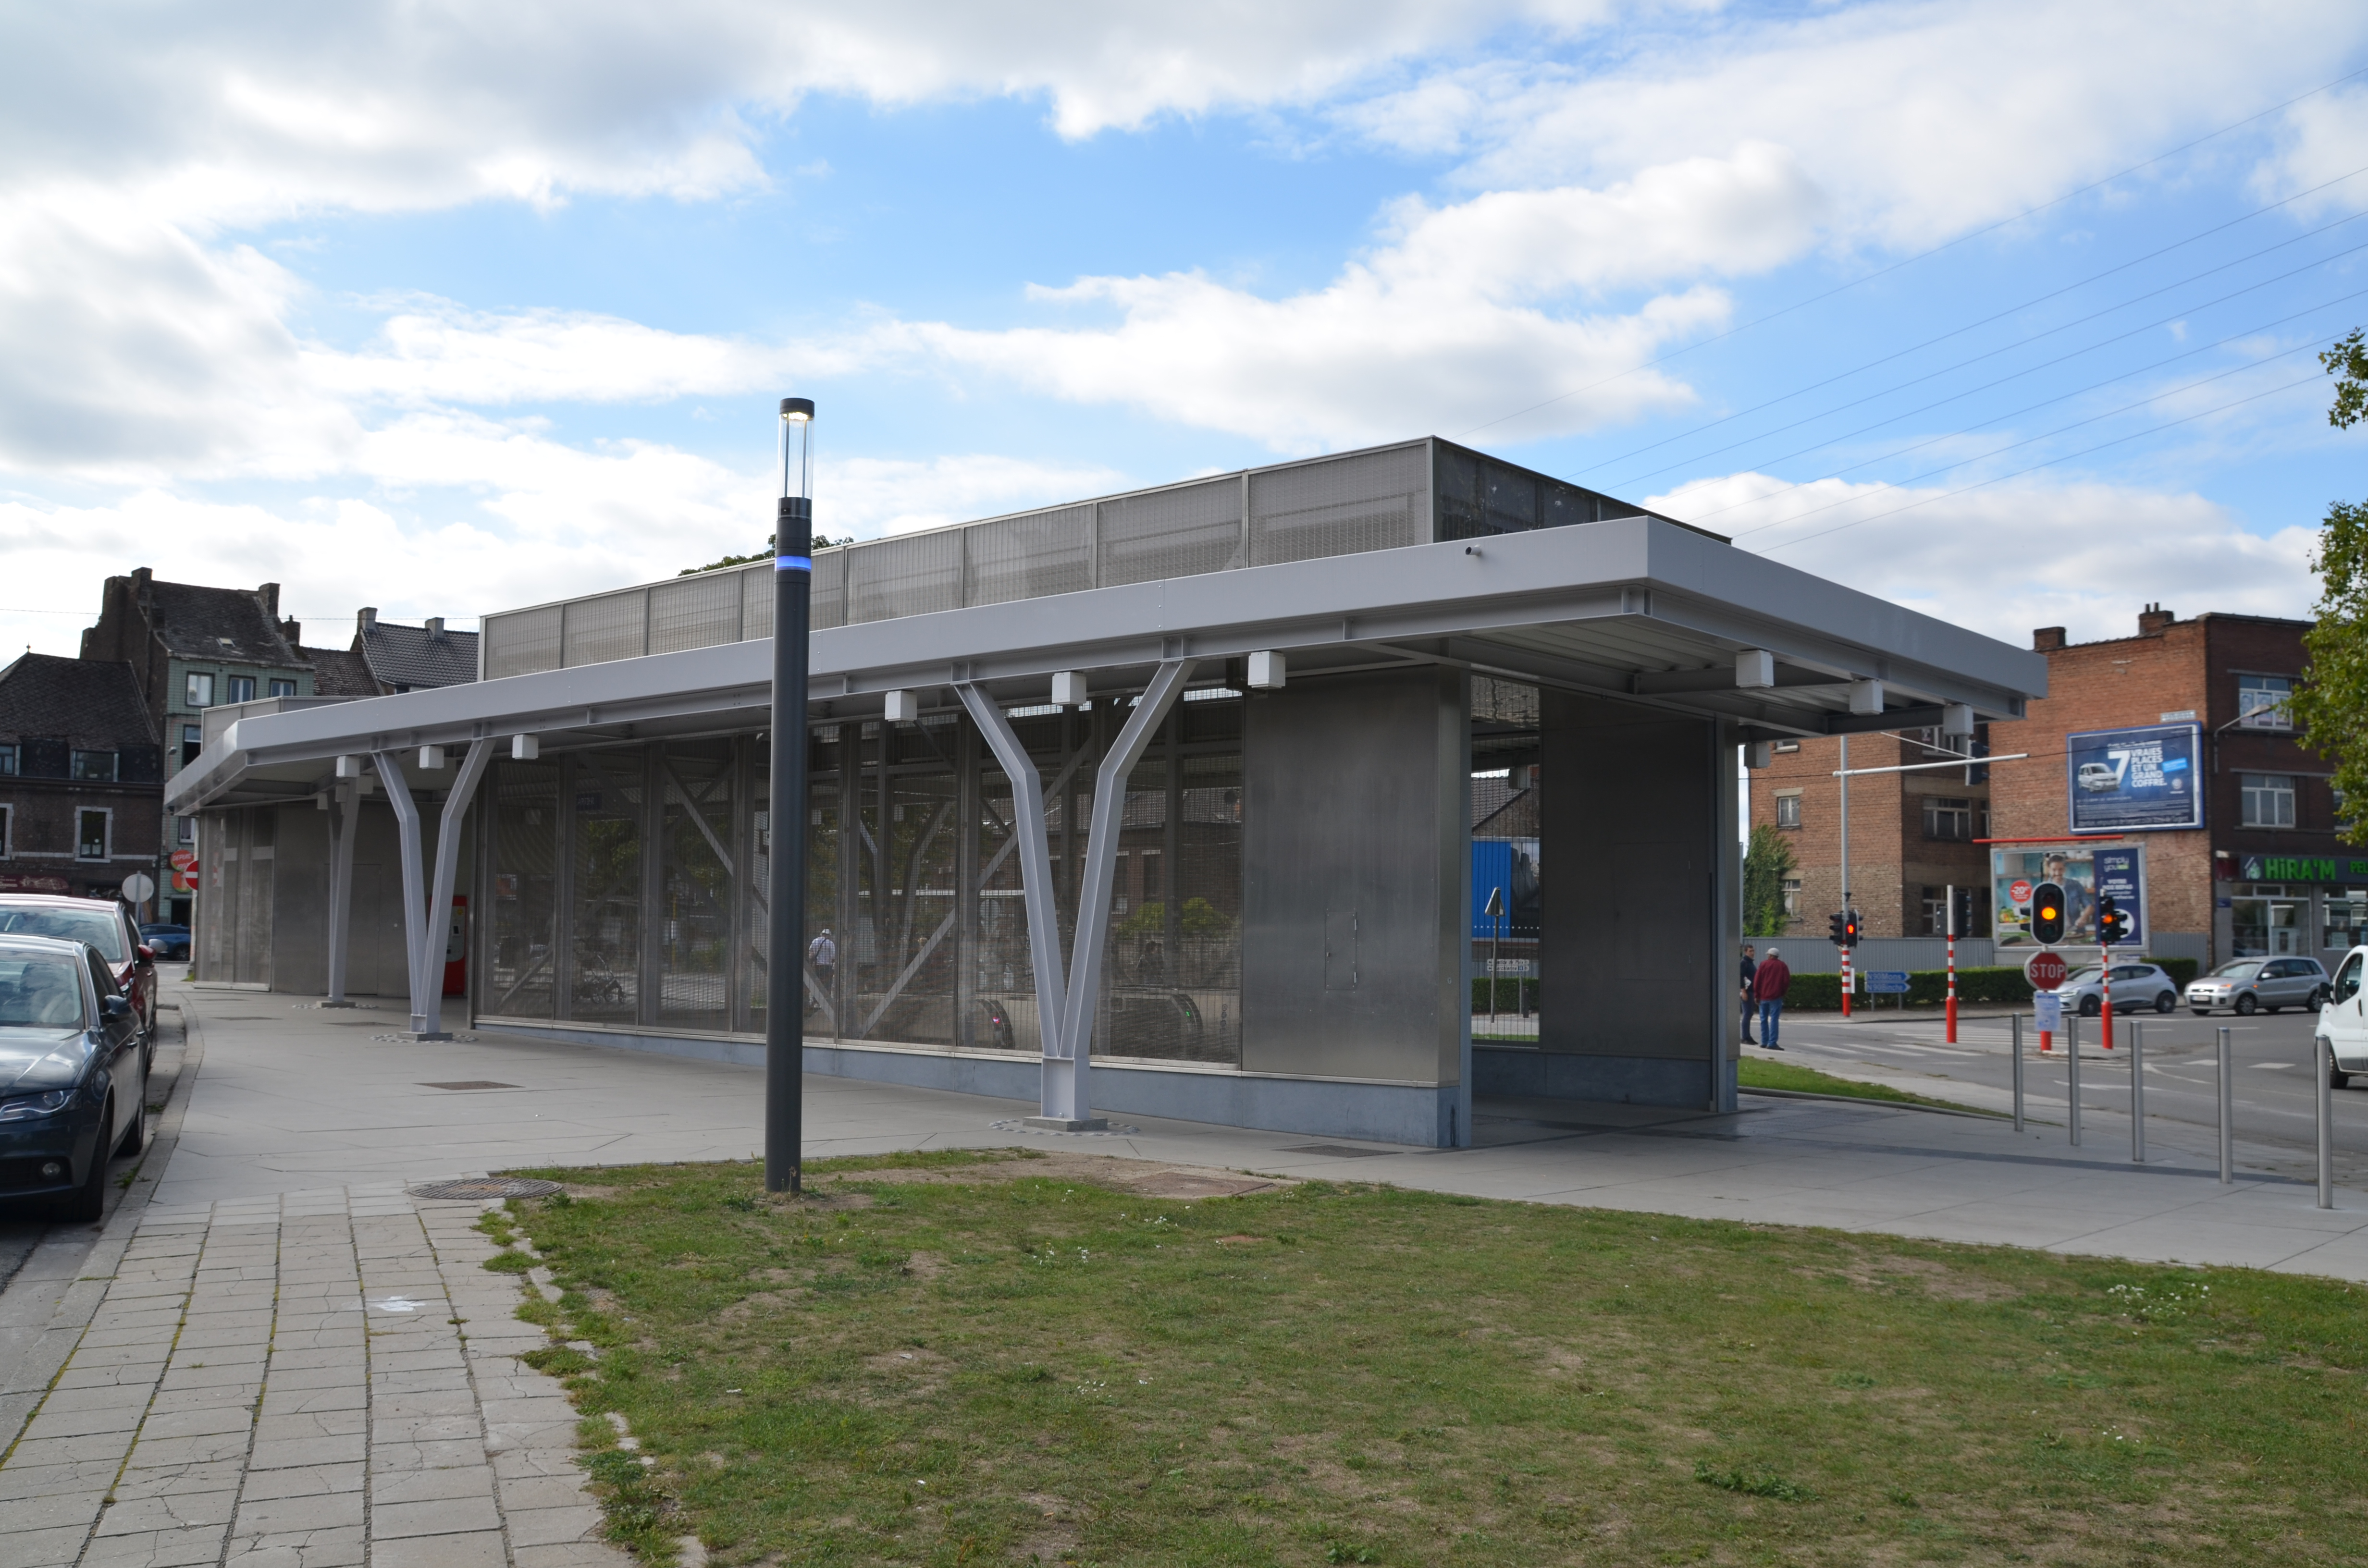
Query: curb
1878, 1104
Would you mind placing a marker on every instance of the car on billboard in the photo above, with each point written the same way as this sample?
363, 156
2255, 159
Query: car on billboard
2095, 776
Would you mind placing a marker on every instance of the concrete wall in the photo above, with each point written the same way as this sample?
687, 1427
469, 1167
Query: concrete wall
1638, 937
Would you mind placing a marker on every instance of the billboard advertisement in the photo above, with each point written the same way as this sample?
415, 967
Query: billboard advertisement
1508, 866
2084, 874
2135, 781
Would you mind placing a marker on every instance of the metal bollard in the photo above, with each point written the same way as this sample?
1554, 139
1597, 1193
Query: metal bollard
2072, 1055
2227, 1115
2018, 1071
2322, 1063
2137, 1093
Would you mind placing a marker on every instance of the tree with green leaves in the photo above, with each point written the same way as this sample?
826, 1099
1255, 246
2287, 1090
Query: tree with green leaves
772, 548
2330, 707
1766, 864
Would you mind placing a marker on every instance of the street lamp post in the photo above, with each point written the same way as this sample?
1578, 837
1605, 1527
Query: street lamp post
785, 950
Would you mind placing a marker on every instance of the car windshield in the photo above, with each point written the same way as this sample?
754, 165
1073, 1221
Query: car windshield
2241, 969
99, 927
2081, 976
40, 991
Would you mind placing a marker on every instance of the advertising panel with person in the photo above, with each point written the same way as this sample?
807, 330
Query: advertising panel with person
2082, 873
2135, 781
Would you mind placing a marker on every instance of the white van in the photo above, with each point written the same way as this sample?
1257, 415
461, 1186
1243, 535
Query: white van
2342, 1022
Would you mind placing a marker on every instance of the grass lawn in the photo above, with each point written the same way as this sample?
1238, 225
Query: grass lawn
1759, 1073
958, 1359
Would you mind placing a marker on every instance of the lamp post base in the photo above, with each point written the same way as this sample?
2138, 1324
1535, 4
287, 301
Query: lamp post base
1066, 1123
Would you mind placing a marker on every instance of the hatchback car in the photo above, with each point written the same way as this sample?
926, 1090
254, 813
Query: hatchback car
106, 925
73, 1080
2097, 777
166, 941
2136, 986
2259, 985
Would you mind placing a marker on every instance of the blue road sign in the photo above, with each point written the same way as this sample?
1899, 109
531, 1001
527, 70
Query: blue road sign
1887, 981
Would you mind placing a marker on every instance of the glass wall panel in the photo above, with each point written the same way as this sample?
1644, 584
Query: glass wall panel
905, 904
756, 917
523, 944
606, 919
1206, 932
694, 926
1001, 977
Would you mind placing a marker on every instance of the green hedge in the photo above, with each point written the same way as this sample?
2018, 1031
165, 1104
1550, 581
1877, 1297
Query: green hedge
1509, 995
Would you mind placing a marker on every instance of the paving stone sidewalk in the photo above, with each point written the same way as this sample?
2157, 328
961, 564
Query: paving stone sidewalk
311, 1380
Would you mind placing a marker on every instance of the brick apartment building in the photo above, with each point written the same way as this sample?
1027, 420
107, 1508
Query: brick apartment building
1911, 834
81, 782
2265, 873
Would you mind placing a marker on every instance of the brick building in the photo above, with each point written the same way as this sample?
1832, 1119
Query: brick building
81, 782
2264, 873
1911, 834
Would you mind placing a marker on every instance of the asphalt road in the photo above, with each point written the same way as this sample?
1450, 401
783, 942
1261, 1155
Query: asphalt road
2275, 1111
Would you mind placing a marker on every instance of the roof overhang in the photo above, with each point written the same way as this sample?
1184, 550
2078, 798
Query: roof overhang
1636, 608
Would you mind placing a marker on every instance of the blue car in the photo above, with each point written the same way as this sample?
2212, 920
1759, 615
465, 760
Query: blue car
72, 1077
166, 941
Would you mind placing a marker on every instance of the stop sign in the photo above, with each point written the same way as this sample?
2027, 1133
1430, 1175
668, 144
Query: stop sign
2045, 971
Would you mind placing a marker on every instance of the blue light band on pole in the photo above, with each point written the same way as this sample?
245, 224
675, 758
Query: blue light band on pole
794, 563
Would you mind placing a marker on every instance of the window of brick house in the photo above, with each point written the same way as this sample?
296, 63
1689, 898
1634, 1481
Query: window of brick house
1936, 912
201, 691
1792, 886
7, 821
97, 767
1948, 817
7, 762
240, 688
1788, 810
283, 689
2262, 702
90, 836
2268, 798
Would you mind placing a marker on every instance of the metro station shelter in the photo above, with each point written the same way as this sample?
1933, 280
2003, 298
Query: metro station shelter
1237, 722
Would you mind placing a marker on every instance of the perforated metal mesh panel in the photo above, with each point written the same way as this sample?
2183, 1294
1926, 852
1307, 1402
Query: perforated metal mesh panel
1028, 557
610, 627
915, 576
1365, 501
522, 642
830, 593
1172, 533
695, 612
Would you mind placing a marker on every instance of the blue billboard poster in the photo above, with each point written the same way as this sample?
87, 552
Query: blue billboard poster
2135, 781
2120, 875
1509, 868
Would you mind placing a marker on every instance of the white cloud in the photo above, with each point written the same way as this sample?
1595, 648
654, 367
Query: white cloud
2324, 139
2002, 561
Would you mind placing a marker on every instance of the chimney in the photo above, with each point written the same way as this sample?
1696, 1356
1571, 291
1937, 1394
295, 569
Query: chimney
2047, 639
366, 622
436, 626
269, 595
294, 630
2153, 618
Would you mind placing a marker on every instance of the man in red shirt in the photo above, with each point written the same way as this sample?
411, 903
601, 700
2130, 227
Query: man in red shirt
1768, 983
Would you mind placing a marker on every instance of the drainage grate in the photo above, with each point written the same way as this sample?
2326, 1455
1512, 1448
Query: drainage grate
474, 1084
1341, 1150
487, 1186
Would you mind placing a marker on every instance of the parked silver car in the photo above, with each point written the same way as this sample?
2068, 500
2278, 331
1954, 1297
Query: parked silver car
2135, 986
2262, 985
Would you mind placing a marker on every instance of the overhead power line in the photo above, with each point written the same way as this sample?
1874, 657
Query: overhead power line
1920, 256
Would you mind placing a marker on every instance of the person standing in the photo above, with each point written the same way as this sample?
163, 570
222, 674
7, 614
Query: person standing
1768, 983
823, 953
1750, 966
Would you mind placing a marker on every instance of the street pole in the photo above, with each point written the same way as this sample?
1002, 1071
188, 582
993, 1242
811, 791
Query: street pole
1846, 896
2322, 1067
785, 947
2105, 986
2137, 1093
2072, 1049
2227, 1116
1952, 906
2017, 1021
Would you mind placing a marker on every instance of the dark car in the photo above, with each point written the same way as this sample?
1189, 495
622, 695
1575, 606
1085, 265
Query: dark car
106, 925
73, 1079
166, 942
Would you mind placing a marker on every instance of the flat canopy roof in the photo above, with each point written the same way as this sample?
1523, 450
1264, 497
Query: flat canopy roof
1636, 608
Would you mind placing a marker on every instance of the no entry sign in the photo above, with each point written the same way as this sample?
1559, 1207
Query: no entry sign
2045, 971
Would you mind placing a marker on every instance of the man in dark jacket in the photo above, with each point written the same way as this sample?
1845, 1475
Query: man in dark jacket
1750, 967
1768, 983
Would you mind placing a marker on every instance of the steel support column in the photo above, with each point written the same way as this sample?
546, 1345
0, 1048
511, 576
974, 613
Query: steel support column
344, 824
1063, 1097
423, 932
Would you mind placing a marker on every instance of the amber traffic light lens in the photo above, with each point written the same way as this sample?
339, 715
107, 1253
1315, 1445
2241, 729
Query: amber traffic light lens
2048, 913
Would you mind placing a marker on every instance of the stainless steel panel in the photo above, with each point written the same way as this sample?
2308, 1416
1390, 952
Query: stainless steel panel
522, 643
614, 626
1635, 912
1354, 879
697, 612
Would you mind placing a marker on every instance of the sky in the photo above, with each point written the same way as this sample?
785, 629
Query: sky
2007, 312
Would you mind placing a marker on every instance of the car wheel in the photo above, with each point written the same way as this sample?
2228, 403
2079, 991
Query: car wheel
2164, 1002
2091, 1006
2247, 1006
88, 1204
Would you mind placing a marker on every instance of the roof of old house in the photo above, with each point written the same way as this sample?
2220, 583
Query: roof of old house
339, 672
228, 624
417, 657
81, 698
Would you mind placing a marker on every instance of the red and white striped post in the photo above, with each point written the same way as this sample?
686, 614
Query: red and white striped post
1953, 964
2105, 985
1846, 982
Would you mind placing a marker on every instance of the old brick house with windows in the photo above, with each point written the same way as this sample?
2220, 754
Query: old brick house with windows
1911, 834
2265, 874
82, 784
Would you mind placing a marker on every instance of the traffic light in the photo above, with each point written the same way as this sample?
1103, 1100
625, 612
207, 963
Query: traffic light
2047, 915
1961, 912
1838, 930
1849, 929
2113, 920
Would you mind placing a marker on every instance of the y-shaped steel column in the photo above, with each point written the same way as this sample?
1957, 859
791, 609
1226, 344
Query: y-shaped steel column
423, 930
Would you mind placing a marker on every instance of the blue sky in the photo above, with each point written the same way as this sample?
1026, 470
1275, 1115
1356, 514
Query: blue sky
444, 311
